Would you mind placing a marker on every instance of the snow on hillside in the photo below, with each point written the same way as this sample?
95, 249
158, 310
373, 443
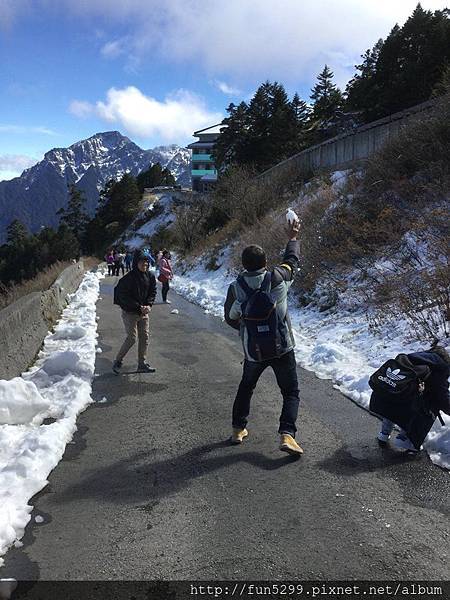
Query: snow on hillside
145, 225
39, 410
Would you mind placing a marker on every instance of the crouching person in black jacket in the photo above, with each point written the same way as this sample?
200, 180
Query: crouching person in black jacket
256, 305
413, 412
135, 294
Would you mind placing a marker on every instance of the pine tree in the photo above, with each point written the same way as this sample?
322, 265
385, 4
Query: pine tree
74, 215
16, 234
404, 69
302, 113
229, 149
326, 96
362, 90
154, 176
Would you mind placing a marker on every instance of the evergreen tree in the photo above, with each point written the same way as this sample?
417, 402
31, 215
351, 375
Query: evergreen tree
120, 201
326, 96
74, 215
230, 147
362, 90
16, 234
404, 69
155, 176
302, 113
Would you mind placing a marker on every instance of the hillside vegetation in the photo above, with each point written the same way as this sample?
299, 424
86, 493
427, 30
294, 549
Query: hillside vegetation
375, 239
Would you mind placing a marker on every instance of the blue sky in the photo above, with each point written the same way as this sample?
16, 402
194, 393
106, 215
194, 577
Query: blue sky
156, 70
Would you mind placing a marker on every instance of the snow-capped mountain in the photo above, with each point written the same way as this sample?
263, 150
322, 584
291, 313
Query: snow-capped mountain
41, 190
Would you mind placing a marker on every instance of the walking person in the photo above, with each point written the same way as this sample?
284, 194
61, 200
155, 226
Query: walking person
165, 274
135, 294
128, 261
119, 263
110, 262
256, 304
158, 258
410, 391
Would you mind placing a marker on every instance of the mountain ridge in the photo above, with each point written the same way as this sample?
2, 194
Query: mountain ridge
37, 194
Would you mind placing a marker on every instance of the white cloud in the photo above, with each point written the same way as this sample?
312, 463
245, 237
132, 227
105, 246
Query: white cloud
113, 49
288, 41
173, 119
12, 165
81, 109
227, 89
23, 129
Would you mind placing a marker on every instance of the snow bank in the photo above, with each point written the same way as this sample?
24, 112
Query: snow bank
21, 403
335, 345
57, 386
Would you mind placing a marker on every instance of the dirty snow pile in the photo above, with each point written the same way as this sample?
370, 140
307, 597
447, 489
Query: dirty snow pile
38, 411
335, 344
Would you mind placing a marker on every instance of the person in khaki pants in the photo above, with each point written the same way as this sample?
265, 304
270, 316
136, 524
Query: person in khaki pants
135, 293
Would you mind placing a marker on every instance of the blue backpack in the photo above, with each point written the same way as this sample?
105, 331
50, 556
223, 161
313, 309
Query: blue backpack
261, 320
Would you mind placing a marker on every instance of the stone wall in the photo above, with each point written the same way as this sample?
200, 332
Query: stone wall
25, 323
352, 148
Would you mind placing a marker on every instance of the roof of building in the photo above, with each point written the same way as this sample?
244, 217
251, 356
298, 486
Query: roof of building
212, 129
201, 145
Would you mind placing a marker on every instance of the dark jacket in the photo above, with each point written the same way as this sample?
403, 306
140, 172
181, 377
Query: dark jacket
135, 289
282, 277
417, 415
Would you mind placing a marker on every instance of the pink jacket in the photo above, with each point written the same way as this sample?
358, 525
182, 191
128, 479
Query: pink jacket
165, 268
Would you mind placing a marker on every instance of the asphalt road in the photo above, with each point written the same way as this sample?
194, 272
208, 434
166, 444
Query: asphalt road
151, 489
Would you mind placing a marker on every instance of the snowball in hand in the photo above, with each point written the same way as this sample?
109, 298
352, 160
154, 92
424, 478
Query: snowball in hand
291, 216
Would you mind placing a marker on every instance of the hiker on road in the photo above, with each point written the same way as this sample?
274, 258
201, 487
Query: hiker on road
128, 261
135, 294
110, 262
119, 265
256, 304
165, 274
409, 391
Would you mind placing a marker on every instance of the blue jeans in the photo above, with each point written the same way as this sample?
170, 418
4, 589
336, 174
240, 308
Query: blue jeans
387, 426
285, 369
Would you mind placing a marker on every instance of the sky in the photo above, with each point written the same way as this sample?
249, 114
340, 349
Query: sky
158, 70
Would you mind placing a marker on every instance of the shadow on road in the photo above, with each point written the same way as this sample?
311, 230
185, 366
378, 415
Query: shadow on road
141, 477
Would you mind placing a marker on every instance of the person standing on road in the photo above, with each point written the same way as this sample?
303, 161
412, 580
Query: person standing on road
256, 304
135, 294
128, 261
165, 274
110, 262
119, 263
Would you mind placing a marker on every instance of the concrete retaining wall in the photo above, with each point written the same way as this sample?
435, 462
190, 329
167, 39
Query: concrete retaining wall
25, 323
349, 149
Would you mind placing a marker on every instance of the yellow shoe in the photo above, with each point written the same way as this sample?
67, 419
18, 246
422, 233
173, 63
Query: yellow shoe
238, 435
289, 445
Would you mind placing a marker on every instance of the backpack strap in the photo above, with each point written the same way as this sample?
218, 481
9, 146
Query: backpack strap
266, 283
248, 291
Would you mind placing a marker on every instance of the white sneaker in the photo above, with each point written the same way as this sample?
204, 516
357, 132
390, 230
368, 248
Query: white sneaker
404, 444
167, 302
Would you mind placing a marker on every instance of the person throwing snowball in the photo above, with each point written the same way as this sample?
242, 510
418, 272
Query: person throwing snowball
256, 305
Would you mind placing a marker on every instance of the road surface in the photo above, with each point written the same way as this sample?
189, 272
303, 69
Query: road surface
151, 489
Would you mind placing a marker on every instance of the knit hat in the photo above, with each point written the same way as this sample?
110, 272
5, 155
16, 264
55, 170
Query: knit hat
138, 256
